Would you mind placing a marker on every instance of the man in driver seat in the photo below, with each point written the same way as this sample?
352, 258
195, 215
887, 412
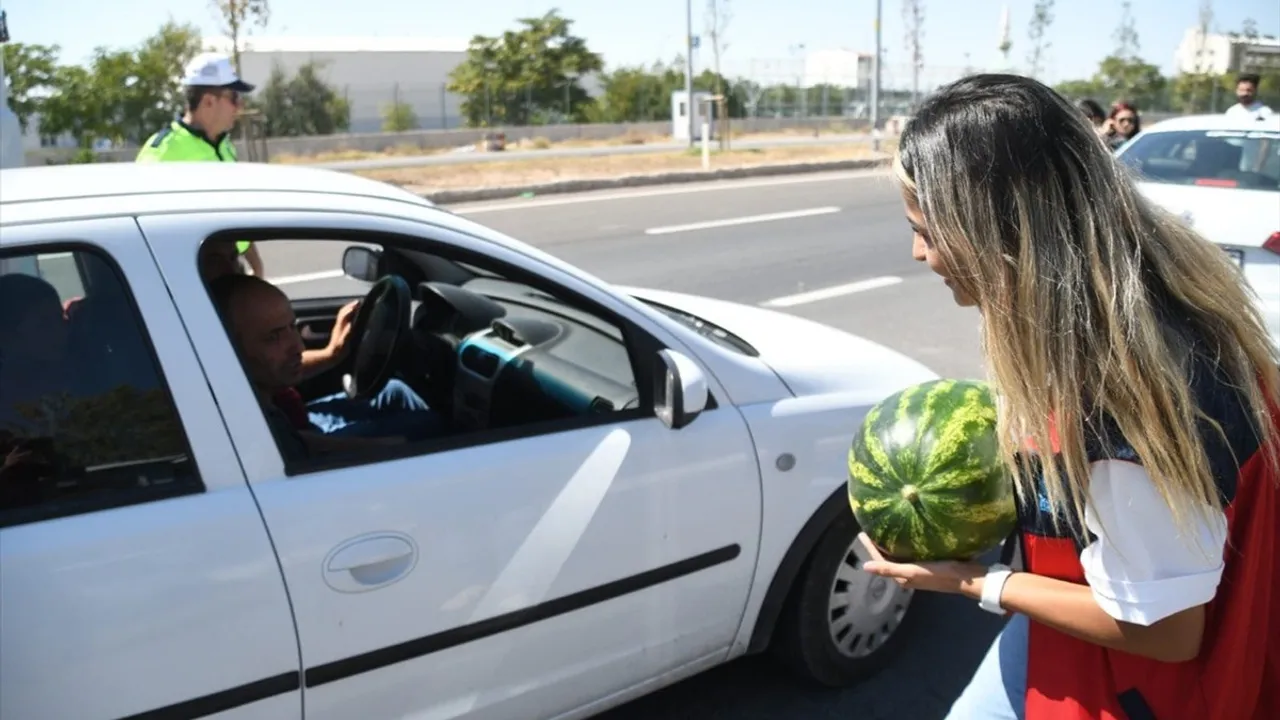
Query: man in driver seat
261, 323
334, 414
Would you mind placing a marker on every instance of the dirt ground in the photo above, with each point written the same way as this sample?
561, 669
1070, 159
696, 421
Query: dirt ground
432, 178
542, 143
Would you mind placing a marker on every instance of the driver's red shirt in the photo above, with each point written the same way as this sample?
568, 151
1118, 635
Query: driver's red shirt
290, 402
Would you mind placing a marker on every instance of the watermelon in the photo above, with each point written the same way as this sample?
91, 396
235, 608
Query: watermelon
926, 481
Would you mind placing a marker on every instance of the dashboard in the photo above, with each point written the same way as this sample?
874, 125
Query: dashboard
511, 355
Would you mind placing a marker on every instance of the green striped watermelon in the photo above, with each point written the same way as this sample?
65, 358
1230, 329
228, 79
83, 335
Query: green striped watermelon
925, 477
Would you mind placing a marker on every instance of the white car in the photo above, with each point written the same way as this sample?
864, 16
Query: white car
1221, 174
634, 487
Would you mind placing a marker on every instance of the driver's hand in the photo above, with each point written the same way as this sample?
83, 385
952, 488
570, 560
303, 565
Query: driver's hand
342, 328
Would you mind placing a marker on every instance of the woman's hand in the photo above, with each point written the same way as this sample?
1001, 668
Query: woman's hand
950, 577
1064, 606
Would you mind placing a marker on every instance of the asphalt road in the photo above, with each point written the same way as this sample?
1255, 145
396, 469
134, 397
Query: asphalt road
385, 163
833, 248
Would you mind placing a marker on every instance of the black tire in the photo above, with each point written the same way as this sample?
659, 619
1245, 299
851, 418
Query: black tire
804, 640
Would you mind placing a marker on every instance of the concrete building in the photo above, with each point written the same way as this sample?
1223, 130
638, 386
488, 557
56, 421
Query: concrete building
1220, 54
372, 73
839, 68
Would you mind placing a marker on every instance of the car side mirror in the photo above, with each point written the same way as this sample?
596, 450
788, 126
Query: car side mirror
680, 389
361, 263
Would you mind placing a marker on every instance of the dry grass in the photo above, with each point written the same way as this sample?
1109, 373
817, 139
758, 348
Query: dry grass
536, 171
340, 155
542, 143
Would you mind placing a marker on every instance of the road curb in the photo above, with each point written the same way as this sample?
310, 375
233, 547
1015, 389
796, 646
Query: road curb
445, 197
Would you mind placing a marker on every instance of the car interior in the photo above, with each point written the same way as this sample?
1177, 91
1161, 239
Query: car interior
1249, 161
78, 357
485, 352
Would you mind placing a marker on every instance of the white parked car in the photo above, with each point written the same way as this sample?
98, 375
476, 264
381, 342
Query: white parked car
633, 486
1221, 174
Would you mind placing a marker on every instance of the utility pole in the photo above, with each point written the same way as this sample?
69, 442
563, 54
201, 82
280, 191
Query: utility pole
875, 77
688, 65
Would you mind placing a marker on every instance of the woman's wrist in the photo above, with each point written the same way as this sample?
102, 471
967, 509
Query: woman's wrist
972, 582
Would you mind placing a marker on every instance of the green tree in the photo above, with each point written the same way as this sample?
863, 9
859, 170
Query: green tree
525, 74
30, 70
638, 94
88, 103
304, 104
159, 64
1126, 34
1132, 80
399, 117
643, 94
1190, 92
1079, 89
237, 18
1037, 29
123, 95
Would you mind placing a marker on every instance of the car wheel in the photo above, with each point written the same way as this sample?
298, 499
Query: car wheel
841, 624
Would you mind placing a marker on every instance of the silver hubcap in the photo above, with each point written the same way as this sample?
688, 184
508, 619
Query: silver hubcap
864, 610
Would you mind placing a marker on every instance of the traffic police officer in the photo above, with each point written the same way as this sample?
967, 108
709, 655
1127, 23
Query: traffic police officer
214, 97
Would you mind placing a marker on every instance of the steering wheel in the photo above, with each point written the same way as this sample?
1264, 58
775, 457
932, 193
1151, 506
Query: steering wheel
380, 331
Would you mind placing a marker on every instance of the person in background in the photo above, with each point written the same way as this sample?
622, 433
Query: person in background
1247, 102
215, 97
1139, 397
1122, 124
1094, 112
395, 408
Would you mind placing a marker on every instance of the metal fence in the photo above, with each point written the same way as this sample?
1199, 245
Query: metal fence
770, 89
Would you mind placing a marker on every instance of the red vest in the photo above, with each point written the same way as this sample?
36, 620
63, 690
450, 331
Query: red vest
1237, 674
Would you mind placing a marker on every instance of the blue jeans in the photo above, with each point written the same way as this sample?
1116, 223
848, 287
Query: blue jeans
998, 690
397, 410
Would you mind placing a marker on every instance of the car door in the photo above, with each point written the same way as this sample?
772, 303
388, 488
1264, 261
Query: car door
517, 577
136, 576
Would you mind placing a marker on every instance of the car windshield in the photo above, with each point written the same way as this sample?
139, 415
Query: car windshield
712, 332
1249, 160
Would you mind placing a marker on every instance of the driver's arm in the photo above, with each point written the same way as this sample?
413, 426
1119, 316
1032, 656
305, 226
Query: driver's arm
254, 260
317, 361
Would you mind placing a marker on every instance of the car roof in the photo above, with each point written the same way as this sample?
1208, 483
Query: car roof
1220, 121
97, 180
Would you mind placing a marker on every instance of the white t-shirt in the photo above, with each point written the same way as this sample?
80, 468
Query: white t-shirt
1257, 109
1140, 567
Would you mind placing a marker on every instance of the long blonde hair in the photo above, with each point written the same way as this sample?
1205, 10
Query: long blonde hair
1077, 278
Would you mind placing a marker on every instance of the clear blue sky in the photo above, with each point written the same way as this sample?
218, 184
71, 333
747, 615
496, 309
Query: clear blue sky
640, 31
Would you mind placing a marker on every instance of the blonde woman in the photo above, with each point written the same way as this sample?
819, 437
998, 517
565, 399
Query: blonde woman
1128, 350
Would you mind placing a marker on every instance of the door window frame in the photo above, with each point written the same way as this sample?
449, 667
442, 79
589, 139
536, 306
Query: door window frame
119, 245
641, 345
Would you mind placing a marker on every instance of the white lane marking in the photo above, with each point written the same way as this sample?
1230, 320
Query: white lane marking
306, 277
535, 566
748, 220
683, 189
832, 292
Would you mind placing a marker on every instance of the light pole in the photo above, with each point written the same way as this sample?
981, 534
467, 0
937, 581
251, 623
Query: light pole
875, 79
688, 65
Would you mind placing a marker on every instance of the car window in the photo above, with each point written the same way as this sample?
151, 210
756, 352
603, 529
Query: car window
86, 420
1214, 158
309, 269
490, 356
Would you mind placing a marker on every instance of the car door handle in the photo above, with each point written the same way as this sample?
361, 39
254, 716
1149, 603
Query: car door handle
370, 562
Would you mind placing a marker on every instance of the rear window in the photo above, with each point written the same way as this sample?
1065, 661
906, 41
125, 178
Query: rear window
1248, 160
